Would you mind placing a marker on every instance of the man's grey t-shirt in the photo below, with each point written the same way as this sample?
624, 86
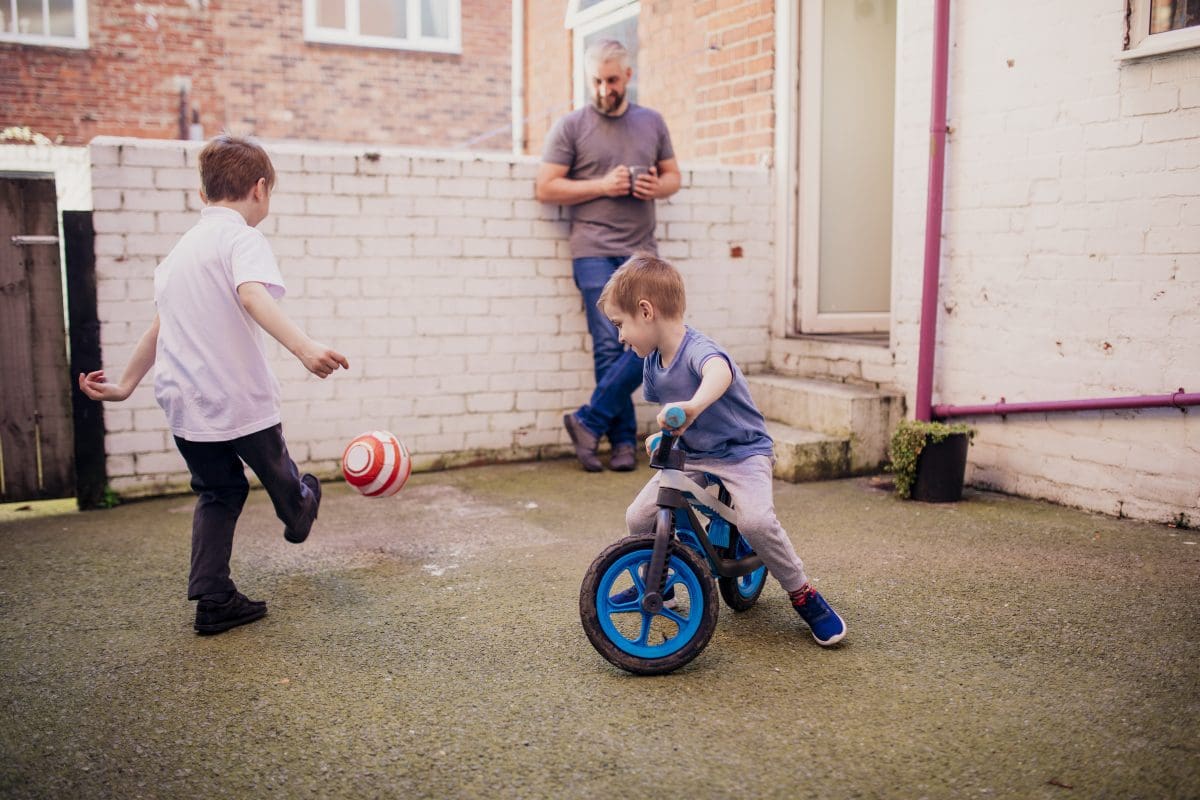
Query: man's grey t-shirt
732, 428
591, 144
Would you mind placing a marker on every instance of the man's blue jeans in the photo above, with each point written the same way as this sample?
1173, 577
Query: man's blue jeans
618, 370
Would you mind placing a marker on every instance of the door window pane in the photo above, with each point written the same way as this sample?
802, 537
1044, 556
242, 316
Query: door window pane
858, 77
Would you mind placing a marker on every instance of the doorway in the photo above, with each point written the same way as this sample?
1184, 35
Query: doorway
847, 80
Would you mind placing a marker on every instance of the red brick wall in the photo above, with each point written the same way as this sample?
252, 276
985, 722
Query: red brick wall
735, 106
548, 58
252, 72
706, 65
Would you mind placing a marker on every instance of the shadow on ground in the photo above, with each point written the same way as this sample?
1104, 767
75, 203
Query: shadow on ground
429, 645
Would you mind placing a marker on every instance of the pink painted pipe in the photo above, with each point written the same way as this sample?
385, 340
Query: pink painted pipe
933, 208
1179, 400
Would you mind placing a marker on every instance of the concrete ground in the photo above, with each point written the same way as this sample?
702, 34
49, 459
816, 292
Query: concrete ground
429, 645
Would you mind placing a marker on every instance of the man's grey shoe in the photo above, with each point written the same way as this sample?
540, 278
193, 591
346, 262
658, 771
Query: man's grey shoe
585, 443
624, 458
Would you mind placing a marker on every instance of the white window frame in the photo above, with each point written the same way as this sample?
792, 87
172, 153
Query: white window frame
586, 22
350, 35
1142, 43
77, 42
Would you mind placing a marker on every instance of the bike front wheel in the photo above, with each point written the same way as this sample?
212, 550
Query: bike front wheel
610, 608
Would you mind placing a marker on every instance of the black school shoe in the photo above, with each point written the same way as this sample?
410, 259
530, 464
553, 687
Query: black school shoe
314, 486
213, 617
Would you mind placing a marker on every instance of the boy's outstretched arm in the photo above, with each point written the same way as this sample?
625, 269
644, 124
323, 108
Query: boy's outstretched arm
716, 376
316, 357
97, 387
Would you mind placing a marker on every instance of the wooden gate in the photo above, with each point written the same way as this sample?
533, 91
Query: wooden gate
36, 436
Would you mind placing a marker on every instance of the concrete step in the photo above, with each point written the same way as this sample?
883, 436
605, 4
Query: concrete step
802, 455
862, 415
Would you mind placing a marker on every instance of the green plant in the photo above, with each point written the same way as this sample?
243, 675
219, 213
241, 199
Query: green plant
909, 439
111, 499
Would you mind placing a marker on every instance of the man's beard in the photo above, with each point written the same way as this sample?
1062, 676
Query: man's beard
609, 104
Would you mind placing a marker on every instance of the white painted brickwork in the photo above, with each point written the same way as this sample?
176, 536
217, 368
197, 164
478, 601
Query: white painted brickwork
1071, 249
446, 285
68, 165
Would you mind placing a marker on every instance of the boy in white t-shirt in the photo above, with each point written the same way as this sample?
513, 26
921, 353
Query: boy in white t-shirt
214, 291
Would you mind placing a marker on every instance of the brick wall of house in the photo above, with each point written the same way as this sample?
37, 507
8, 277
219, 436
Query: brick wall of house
1071, 250
447, 286
252, 72
706, 65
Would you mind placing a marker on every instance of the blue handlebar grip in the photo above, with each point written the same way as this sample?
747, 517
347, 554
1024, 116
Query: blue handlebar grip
675, 416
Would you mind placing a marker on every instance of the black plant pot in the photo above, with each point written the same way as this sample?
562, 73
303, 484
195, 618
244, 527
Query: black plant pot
941, 468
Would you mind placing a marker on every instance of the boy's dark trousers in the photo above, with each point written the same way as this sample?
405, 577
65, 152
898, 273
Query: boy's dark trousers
219, 479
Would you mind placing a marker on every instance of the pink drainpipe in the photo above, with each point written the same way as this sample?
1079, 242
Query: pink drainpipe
933, 208
933, 254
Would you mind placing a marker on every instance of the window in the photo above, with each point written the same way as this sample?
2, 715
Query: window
1161, 26
432, 25
58, 23
590, 20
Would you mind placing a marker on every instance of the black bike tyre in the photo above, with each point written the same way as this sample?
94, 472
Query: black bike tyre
590, 619
730, 592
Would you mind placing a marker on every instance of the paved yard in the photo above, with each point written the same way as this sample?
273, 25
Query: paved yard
429, 646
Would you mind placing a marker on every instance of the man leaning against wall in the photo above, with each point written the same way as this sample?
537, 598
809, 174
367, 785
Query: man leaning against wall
608, 162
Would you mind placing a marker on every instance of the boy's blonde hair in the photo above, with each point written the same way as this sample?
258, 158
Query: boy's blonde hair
646, 277
231, 165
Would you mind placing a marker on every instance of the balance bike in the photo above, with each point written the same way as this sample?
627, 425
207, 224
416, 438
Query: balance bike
648, 603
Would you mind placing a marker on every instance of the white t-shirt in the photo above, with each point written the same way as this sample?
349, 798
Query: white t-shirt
211, 375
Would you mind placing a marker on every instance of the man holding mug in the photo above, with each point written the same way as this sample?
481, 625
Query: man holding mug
608, 161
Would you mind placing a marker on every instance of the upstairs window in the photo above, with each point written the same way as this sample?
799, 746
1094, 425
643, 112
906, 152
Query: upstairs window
431, 25
56, 23
1161, 26
592, 20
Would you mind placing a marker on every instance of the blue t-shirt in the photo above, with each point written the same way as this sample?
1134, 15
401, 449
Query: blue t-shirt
732, 428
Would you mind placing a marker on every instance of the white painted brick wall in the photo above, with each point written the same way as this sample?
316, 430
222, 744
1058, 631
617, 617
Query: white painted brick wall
1071, 249
447, 286
69, 165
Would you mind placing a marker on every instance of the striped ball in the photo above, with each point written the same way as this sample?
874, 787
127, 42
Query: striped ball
377, 464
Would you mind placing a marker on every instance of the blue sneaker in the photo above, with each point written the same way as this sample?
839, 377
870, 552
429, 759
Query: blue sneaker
631, 595
827, 627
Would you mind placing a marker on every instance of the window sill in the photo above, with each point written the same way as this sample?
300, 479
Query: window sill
44, 41
383, 43
1162, 43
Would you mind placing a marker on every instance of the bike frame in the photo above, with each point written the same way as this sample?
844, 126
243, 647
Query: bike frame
678, 499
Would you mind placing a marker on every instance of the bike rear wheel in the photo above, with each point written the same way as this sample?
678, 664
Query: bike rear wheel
742, 592
628, 636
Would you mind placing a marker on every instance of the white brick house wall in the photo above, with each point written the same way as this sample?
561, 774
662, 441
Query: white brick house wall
446, 285
1071, 249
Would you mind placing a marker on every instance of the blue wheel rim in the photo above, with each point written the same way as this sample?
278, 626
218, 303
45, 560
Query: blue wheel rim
748, 585
680, 576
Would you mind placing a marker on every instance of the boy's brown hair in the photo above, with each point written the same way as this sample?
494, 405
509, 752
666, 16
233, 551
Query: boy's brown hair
231, 165
646, 277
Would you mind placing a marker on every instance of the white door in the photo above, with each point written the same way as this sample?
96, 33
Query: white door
846, 125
